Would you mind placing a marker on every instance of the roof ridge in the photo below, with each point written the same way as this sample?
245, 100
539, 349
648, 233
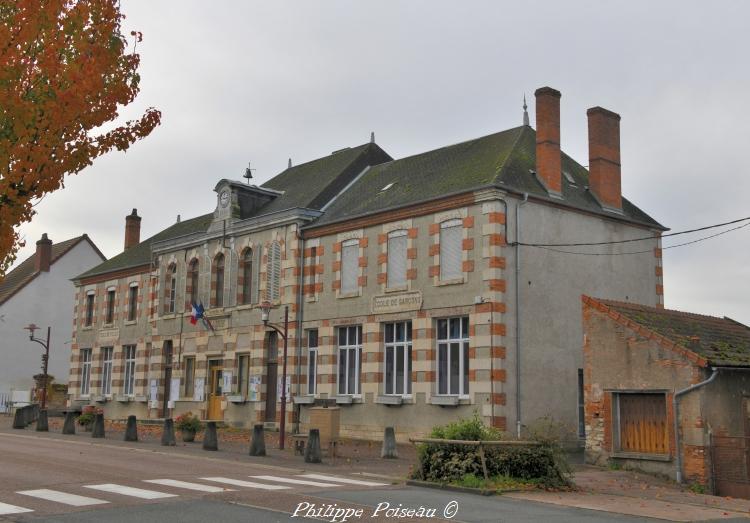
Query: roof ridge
500, 170
668, 311
363, 146
644, 330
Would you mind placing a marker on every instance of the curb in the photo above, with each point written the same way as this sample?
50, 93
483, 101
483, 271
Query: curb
452, 488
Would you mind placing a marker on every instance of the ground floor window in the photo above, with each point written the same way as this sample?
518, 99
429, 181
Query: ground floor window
107, 370
129, 385
453, 356
85, 371
243, 374
641, 422
350, 355
397, 373
189, 377
312, 360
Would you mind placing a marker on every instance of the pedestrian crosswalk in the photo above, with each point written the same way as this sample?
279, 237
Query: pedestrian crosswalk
117, 493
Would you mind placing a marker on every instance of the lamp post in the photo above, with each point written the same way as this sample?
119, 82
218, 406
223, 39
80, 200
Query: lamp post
265, 310
45, 358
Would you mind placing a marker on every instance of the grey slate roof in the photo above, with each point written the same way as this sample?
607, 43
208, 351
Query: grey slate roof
312, 184
140, 254
25, 272
503, 159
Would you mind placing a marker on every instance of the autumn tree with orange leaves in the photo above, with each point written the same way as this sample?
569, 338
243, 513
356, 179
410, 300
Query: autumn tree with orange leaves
65, 71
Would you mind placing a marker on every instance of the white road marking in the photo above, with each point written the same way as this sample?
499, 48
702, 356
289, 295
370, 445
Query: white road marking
130, 491
338, 479
295, 481
187, 485
63, 497
6, 509
249, 484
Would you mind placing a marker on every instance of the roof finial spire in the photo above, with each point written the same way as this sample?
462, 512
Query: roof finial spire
290, 164
372, 137
248, 173
525, 112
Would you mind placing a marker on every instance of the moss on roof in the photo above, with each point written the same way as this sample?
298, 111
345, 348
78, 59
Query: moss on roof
141, 254
722, 341
505, 159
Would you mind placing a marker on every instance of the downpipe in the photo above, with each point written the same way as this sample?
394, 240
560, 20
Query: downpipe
518, 312
676, 415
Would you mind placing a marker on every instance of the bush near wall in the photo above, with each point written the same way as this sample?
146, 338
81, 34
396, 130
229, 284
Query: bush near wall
544, 464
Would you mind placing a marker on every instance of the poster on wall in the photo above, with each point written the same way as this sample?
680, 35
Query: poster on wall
227, 385
288, 389
198, 389
174, 389
254, 388
153, 390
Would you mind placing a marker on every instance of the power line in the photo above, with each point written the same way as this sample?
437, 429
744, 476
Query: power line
632, 239
636, 252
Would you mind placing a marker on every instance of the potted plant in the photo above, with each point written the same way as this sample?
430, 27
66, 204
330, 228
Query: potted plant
86, 420
188, 425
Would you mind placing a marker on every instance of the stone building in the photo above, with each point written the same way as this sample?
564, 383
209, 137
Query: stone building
38, 290
411, 301
641, 365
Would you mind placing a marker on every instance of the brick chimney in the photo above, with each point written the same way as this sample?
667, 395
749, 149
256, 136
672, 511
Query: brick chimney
604, 157
132, 229
548, 161
43, 254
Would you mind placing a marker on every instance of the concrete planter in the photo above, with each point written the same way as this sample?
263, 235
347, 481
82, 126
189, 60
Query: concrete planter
188, 436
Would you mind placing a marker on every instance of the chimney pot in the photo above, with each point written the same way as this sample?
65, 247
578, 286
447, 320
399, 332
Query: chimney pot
604, 157
132, 229
43, 254
548, 159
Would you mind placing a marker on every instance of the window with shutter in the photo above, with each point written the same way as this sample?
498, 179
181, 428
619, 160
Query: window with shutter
451, 235
397, 259
349, 266
273, 271
642, 420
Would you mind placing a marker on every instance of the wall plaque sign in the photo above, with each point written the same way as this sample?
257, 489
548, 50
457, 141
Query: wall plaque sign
404, 301
109, 334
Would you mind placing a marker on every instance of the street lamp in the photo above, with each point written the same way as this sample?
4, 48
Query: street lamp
265, 310
45, 358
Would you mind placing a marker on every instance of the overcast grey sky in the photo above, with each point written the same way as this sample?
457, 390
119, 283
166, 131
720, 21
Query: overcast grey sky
265, 81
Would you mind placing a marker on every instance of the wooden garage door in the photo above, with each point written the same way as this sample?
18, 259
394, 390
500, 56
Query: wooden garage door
643, 423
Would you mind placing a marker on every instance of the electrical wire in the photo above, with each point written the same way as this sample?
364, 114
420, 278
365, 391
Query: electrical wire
637, 252
643, 238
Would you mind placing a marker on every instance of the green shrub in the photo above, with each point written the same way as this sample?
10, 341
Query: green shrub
86, 419
544, 463
188, 423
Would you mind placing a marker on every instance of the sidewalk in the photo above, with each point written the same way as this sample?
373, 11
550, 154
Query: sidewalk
352, 457
625, 492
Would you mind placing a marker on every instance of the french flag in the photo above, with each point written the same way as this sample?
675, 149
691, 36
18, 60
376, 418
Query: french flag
198, 314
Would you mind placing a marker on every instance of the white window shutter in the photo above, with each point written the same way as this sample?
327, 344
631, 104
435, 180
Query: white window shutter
349, 267
397, 260
450, 252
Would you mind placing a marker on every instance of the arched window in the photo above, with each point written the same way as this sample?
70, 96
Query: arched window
273, 272
191, 291
170, 288
246, 276
217, 285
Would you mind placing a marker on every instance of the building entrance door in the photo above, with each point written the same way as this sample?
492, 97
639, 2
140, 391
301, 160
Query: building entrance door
272, 374
215, 381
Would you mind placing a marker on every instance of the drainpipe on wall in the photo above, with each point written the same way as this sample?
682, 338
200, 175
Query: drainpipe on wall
300, 301
518, 314
675, 413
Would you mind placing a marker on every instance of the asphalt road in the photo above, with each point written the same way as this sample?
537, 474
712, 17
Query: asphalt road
45, 479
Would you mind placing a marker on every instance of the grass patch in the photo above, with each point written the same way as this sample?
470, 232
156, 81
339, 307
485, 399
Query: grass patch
495, 483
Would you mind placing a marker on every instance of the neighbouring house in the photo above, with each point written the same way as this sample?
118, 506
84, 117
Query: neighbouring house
640, 363
411, 301
39, 290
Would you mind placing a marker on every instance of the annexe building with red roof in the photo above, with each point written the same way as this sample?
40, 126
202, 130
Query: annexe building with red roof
644, 364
